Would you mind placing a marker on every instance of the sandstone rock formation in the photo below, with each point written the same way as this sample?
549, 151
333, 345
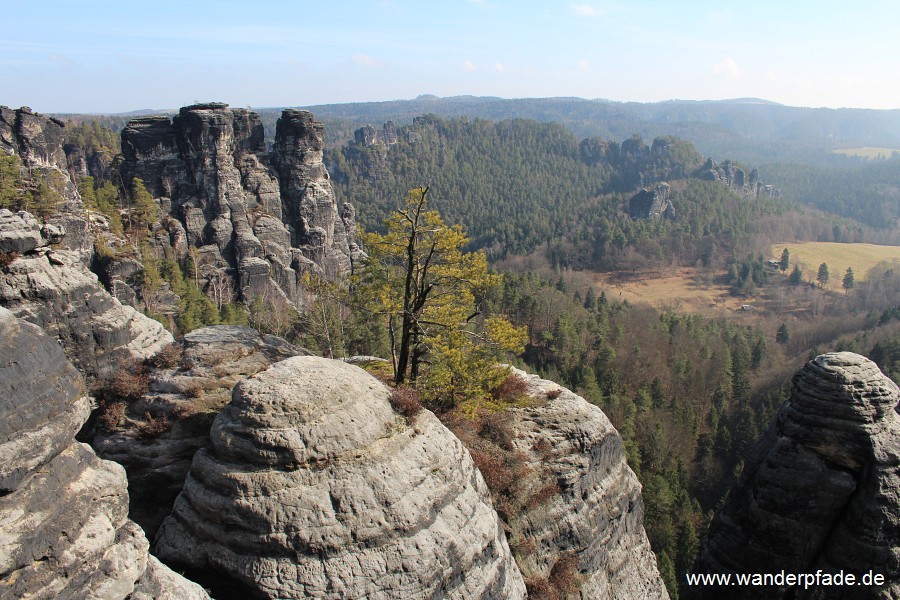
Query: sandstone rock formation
577, 504
187, 395
64, 531
54, 290
258, 219
737, 179
820, 490
38, 140
314, 487
656, 204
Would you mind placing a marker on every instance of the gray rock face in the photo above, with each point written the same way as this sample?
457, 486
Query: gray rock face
54, 290
314, 487
654, 204
187, 395
64, 531
820, 490
580, 497
38, 140
737, 179
224, 192
19, 232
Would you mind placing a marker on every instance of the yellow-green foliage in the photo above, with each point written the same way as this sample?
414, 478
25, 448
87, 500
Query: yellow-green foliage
429, 291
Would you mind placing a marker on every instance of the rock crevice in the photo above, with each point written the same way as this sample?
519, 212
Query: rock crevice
64, 528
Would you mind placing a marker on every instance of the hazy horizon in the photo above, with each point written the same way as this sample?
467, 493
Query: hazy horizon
107, 57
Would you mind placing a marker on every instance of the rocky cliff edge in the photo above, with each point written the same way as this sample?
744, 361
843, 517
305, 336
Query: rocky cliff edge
64, 528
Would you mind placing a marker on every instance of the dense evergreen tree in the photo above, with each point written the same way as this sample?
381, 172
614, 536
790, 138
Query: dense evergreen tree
822, 275
785, 261
849, 281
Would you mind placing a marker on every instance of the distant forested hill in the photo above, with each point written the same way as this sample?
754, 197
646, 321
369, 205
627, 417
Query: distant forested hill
520, 185
868, 192
750, 130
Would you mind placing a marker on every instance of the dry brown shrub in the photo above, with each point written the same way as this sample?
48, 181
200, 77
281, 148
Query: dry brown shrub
511, 389
523, 546
152, 426
110, 414
540, 589
497, 474
7, 257
554, 393
130, 382
543, 495
169, 357
405, 400
495, 427
542, 447
564, 574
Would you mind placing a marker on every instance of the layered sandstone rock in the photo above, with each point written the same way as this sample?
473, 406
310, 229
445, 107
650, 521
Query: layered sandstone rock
258, 220
38, 140
187, 395
314, 487
64, 531
820, 490
737, 179
577, 505
54, 290
652, 204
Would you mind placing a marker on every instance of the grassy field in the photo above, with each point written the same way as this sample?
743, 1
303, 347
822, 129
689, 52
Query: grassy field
663, 291
862, 257
868, 152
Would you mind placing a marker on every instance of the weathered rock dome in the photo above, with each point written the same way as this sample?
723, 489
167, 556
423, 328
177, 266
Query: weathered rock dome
314, 487
820, 491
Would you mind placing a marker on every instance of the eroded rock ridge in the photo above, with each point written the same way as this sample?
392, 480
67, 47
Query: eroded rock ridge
64, 528
53, 289
257, 218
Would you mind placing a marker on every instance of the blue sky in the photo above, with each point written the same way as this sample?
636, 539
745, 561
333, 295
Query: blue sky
102, 56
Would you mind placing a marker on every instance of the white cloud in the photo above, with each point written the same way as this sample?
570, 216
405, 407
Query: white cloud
586, 10
500, 67
727, 69
468, 65
481, 3
364, 60
584, 65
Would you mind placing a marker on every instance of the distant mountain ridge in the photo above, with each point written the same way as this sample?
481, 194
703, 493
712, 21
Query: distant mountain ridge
753, 130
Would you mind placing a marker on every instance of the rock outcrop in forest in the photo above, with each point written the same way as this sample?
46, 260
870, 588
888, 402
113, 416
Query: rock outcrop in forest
315, 487
737, 179
64, 528
652, 204
258, 219
820, 489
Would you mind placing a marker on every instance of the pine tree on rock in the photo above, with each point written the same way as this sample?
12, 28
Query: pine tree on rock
418, 277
